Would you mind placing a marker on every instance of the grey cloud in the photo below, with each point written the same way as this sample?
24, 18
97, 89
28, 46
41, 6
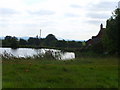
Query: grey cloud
100, 10
42, 12
93, 22
75, 6
29, 25
97, 15
102, 6
39, 24
71, 15
7, 11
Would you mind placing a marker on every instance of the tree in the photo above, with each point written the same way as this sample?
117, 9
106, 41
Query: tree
110, 39
22, 42
33, 41
10, 41
50, 40
14, 43
61, 43
7, 41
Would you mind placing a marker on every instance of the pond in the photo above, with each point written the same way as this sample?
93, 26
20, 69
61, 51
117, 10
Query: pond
25, 52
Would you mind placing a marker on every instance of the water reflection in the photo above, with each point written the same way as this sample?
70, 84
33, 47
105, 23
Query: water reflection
24, 52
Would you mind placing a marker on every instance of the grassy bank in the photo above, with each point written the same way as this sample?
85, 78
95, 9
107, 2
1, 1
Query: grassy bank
78, 73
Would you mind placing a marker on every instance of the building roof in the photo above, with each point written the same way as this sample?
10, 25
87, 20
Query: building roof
97, 38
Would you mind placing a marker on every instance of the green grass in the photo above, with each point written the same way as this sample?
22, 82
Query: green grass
77, 73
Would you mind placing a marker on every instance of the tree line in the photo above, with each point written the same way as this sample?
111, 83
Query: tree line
34, 42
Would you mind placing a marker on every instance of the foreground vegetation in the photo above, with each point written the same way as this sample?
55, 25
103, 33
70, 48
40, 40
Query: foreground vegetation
78, 73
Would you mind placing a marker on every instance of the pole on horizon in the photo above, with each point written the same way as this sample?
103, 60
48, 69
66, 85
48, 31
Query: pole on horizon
40, 33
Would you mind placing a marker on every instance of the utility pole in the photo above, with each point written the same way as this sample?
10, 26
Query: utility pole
40, 33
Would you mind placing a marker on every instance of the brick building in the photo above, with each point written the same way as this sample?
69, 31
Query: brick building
97, 38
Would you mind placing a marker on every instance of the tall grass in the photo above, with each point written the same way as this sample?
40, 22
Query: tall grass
47, 55
91, 54
78, 73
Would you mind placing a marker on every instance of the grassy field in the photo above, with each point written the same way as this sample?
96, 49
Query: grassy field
77, 73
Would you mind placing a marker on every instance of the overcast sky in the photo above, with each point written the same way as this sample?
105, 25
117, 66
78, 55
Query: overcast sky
67, 19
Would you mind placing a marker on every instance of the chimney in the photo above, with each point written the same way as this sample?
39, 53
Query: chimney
101, 26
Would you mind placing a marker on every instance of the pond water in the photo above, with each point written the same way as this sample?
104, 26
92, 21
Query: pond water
25, 52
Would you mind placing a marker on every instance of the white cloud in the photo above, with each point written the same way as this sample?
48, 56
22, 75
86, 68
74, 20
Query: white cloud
41, 12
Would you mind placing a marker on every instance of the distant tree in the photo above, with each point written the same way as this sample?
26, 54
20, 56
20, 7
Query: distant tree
33, 41
22, 42
8, 38
68, 44
10, 41
74, 44
7, 41
14, 43
50, 40
51, 37
61, 43
83, 43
